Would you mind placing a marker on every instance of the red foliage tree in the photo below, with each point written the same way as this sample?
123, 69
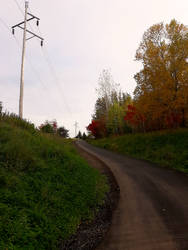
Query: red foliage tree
54, 124
173, 120
134, 117
97, 128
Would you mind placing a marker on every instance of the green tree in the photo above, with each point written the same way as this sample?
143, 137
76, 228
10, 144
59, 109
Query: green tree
1, 108
79, 135
110, 108
63, 132
84, 136
47, 127
115, 121
100, 109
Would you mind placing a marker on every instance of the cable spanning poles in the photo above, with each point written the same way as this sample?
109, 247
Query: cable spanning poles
23, 26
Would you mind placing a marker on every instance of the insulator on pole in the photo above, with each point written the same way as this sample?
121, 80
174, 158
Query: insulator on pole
37, 22
13, 31
42, 42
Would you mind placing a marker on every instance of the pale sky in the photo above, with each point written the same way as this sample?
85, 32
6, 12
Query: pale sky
82, 37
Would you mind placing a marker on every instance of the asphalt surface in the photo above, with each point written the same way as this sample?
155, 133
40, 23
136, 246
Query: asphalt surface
152, 213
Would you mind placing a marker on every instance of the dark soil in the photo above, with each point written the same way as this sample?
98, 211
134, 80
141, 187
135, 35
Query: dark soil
89, 235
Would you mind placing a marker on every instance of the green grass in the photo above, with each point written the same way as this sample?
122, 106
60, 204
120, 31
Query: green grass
46, 189
166, 148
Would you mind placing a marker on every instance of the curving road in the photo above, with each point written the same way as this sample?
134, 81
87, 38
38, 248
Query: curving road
152, 213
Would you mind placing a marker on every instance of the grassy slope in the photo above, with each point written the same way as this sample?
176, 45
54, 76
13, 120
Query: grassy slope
167, 148
46, 189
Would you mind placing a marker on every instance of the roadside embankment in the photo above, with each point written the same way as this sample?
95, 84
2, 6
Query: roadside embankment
166, 148
46, 189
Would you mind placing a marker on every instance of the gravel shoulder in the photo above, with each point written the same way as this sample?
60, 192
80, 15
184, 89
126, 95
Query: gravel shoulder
152, 212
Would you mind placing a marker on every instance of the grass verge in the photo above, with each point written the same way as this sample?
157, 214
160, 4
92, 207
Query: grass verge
166, 148
46, 189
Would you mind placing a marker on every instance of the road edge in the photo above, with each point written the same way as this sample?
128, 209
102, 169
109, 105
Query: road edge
90, 235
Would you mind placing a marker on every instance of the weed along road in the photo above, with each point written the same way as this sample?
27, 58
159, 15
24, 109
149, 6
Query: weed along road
152, 213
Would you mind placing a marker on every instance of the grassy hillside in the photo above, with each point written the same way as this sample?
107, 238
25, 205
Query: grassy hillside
167, 148
46, 189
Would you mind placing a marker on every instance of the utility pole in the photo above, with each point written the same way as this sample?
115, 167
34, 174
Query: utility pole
22, 64
25, 31
76, 127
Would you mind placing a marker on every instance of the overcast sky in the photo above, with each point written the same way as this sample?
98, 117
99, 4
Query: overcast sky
82, 37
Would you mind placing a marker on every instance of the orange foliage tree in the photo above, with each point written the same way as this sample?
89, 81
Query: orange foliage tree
161, 94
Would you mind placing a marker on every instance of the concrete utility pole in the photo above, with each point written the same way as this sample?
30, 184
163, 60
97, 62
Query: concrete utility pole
25, 31
76, 127
22, 64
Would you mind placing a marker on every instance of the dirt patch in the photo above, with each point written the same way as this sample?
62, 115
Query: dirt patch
90, 235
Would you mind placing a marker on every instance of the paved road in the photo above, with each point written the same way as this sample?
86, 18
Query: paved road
153, 208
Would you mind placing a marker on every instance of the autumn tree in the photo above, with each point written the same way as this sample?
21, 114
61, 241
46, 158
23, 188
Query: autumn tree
110, 108
97, 128
135, 119
162, 85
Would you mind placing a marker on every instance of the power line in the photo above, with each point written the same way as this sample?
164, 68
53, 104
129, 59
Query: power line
56, 80
32, 35
7, 27
35, 71
28, 59
4, 24
46, 56
19, 45
37, 74
22, 12
19, 7
49, 63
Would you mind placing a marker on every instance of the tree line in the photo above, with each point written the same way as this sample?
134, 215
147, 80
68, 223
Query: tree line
51, 127
160, 98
